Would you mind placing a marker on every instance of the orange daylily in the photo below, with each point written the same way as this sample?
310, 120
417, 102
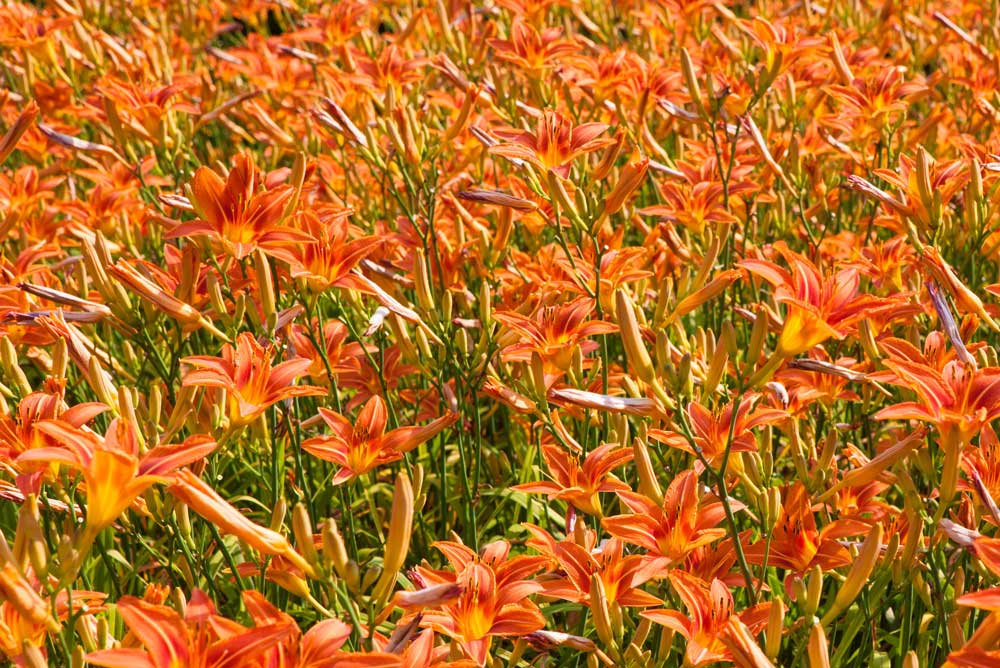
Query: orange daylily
710, 608
819, 307
114, 473
554, 332
554, 144
580, 485
796, 544
246, 374
327, 261
957, 399
533, 50
620, 575
712, 431
680, 526
234, 214
493, 599
200, 638
364, 445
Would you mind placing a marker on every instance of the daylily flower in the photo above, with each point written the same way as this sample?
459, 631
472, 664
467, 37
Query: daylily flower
494, 599
620, 575
364, 445
246, 374
580, 485
819, 308
797, 544
234, 214
114, 473
554, 144
710, 608
712, 431
554, 332
673, 531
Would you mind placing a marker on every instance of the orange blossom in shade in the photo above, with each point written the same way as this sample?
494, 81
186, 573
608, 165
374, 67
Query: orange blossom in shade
554, 331
580, 485
493, 599
711, 432
234, 214
681, 525
364, 445
796, 544
246, 374
554, 144
199, 639
819, 307
710, 608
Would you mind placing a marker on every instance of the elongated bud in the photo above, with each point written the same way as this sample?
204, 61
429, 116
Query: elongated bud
717, 367
302, 530
691, 80
814, 590
857, 577
265, 286
911, 660
297, 180
631, 178
17, 129
278, 514
819, 652
635, 348
924, 187
11, 368
757, 336
648, 484
839, 62
607, 162
421, 282
334, 548
100, 382
397, 545
599, 610
460, 122
557, 193
775, 628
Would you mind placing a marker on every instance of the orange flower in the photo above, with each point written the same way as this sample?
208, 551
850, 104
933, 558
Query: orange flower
712, 431
554, 144
710, 608
329, 260
580, 485
674, 530
493, 599
201, 638
114, 473
818, 308
365, 445
620, 575
246, 374
233, 213
534, 51
554, 332
795, 542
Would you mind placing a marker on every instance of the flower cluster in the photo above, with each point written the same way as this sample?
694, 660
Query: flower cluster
507, 333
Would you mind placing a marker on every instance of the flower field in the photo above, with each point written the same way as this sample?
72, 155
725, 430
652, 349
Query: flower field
551, 333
